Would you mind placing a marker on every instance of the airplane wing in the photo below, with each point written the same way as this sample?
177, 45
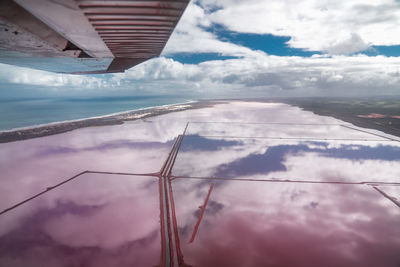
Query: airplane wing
85, 36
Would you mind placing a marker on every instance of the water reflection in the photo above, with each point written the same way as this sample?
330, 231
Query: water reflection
258, 158
247, 112
392, 192
277, 130
269, 224
106, 220
29, 166
95, 220
194, 142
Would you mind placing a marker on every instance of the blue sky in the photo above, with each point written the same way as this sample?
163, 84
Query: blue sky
271, 45
232, 48
268, 43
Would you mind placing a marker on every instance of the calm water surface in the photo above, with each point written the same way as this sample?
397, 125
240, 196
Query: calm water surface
276, 186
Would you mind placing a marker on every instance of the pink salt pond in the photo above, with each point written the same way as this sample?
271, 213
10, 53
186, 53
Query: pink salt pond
237, 184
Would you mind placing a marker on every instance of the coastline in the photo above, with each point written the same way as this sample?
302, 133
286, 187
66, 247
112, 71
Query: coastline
357, 112
313, 105
42, 130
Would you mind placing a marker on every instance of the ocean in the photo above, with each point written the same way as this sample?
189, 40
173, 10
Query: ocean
17, 113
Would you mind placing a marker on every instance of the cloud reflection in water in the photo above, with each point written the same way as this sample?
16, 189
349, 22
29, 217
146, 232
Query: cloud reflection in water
288, 159
272, 224
106, 220
98, 220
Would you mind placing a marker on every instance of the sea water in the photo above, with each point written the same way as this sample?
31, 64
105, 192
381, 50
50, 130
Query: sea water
17, 113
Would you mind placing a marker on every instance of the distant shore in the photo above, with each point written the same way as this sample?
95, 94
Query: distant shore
112, 119
381, 114
360, 113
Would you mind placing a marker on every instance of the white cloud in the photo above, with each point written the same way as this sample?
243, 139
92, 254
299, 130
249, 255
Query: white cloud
338, 75
331, 26
248, 76
190, 36
349, 45
18, 75
335, 27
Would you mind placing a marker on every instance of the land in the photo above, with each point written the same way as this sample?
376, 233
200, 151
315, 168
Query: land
62, 127
380, 113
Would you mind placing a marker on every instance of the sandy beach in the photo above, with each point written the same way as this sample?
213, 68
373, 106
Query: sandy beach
111, 119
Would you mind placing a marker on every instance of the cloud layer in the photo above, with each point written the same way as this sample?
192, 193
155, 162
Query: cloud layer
337, 29
272, 75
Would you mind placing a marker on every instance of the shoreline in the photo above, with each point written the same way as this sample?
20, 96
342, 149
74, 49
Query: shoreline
117, 118
92, 117
348, 111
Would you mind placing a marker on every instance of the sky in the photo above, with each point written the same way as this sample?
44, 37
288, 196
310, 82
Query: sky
252, 48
